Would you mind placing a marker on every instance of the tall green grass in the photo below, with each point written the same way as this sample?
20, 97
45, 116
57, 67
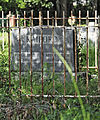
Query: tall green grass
85, 116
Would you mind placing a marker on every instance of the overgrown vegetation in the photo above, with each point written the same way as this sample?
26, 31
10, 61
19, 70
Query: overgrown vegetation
16, 107
83, 51
12, 106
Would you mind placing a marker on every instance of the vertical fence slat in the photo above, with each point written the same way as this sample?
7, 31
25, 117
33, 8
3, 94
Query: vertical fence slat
87, 55
42, 60
7, 33
99, 56
40, 18
31, 25
3, 30
31, 53
32, 18
64, 18
53, 55
95, 39
17, 19
71, 18
40, 23
55, 18
19, 55
79, 41
75, 57
24, 18
79, 17
64, 48
48, 18
9, 51
9, 19
64, 44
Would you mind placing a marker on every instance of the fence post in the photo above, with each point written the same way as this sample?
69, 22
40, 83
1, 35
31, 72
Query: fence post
96, 29
19, 55
64, 50
3, 30
31, 54
99, 55
75, 32
9, 51
31, 18
24, 18
80, 41
53, 55
40, 24
48, 18
55, 18
40, 18
87, 55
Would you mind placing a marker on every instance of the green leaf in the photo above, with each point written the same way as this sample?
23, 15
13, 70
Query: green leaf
0, 8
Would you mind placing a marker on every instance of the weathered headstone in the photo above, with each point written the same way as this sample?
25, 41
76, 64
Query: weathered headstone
36, 48
92, 33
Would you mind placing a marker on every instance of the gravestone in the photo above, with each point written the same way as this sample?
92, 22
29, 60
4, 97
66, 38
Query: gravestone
36, 48
93, 33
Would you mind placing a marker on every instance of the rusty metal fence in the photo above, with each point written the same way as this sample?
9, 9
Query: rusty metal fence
12, 22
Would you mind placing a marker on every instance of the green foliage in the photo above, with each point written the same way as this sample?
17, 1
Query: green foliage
74, 83
4, 62
5, 39
0, 8
26, 4
44, 109
86, 115
83, 49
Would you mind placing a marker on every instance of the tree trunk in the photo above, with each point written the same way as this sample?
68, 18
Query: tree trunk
95, 4
61, 6
98, 7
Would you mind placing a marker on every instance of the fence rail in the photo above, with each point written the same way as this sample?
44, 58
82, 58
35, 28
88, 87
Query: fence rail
16, 21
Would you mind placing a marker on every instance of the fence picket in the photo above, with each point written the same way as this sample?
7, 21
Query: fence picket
20, 83
3, 30
95, 39
87, 56
99, 55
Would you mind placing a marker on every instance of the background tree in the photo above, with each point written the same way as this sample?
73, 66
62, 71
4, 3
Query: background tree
98, 6
18, 5
59, 5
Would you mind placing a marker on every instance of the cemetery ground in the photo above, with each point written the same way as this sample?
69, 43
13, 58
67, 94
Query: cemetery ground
14, 107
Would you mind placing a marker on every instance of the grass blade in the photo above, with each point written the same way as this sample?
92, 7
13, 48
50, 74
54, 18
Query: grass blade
74, 82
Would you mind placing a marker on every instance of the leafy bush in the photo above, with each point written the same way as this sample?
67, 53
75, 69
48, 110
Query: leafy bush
4, 62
